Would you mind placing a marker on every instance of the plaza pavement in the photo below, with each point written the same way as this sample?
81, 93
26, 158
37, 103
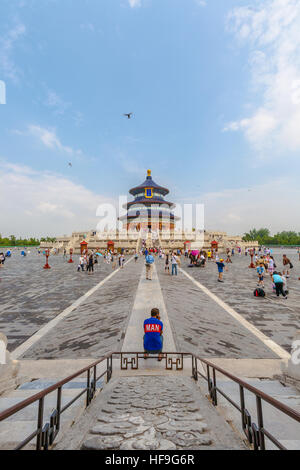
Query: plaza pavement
277, 318
221, 321
32, 296
111, 317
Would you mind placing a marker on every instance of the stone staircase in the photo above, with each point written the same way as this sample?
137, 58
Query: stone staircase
151, 413
19, 426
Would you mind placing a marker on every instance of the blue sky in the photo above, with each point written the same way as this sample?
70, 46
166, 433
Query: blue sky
214, 88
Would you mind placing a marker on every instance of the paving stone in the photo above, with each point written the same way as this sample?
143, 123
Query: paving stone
152, 423
101, 443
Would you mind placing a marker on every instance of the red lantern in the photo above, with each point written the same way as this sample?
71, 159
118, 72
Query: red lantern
252, 265
47, 254
71, 253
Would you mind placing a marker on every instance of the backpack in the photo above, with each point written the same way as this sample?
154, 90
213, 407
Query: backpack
259, 293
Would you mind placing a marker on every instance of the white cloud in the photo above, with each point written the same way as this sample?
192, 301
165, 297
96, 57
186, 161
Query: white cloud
49, 139
135, 3
44, 203
272, 32
8, 41
55, 102
238, 210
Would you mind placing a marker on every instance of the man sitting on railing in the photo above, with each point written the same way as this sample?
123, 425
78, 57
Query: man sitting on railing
153, 337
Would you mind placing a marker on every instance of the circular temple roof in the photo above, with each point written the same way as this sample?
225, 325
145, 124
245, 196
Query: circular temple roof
149, 183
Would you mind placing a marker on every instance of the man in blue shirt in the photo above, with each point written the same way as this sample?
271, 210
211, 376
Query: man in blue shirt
221, 267
153, 334
149, 266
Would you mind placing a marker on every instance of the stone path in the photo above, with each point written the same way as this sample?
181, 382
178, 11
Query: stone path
201, 326
148, 296
151, 413
278, 319
32, 296
97, 326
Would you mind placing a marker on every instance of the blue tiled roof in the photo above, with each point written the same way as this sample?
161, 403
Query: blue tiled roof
149, 183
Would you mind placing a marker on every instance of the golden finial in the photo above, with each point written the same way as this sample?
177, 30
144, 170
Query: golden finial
149, 172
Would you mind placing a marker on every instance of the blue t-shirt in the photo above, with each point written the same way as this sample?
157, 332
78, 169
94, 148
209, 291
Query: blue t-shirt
277, 278
260, 270
221, 267
152, 339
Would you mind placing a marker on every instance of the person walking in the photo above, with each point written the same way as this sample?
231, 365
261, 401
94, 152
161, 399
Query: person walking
286, 265
174, 262
90, 266
81, 263
149, 266
122, 261
167, 264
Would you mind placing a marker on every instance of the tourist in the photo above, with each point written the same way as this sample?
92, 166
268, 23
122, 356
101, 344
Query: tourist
278, 281
271, 265
221, 267
90, 266
174, 262
153, 335
149, 266
136, 256
81, 263
286, 262
228, 260
113, 261
85, 262
260, 272
122, 261
167, 268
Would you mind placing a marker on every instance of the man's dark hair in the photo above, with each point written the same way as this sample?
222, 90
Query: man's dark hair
154, 312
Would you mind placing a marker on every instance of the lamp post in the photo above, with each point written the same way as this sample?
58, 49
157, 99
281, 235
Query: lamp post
47, 254
71, 253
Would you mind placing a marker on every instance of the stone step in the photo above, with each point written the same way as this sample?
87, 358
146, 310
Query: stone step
151, 413
41, 384
19, 426
284, 428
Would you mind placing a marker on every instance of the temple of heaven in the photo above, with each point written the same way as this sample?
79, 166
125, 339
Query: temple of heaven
149, 210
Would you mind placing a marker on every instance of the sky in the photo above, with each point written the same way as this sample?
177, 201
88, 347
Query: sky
214, 87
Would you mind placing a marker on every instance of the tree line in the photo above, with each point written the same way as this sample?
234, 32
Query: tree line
12, 240
264, 237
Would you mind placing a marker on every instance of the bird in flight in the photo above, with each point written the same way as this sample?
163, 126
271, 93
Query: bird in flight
128, 115
70, 164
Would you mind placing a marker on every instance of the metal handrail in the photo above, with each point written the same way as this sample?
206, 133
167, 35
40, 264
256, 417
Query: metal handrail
264, 396
255, 433
29, 401
46, 434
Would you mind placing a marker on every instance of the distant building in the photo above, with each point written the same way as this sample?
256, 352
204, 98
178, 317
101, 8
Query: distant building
149, 211
148, 219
